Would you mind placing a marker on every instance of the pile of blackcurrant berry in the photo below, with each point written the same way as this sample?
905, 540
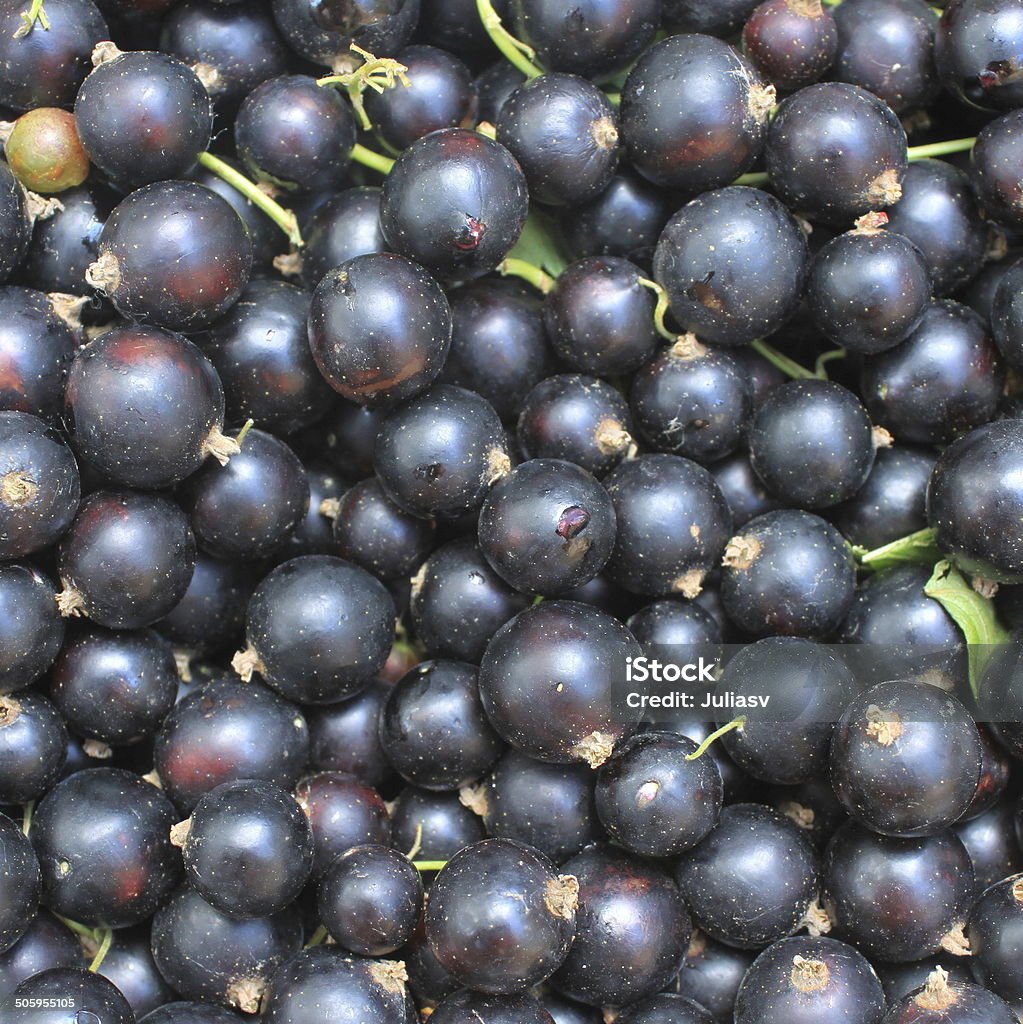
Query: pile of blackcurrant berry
382, 382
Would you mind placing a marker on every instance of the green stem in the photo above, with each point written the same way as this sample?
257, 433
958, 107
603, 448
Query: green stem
428, 865
283, 218
30, 17
614, 98
940, 148
26, 816
753, 179
245, 429
79, 929
735, 723
823, 359
916, 548
660, 309
786, 365
317, 937
376, 73
104, 948
537, 600
539, 279
374, 161
514, 51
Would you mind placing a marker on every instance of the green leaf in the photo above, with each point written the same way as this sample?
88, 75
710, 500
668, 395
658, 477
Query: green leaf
916, 549
972, 613
538, 244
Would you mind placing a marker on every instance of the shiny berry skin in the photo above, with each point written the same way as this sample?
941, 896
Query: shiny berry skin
653, 800
548, 679
732, 262
247, 849
975, 503
370, 899
115, 687
599, 318
887, 48
143, 117
978, 50
440, 94
673, 523
900, 898
260, 349
692, 401
37, 347
868, 289
940, 1000
467, 1007
792, 43
295, 134
563, 132
229, 730
440, 820
945, 379
90, 995
15, 225
995, 932
787, 573
611, 962
433, 729
499, 895
693, 113
835, 151
39, 485
990, 840
45, 68
591, 39
458, 602
379, 329
33, 747
803, 979
743, 490
20, 871
318, 628
811, 443
751, 880
938, 213
437, 455
207, 956
340, 228
173, 254
44, 151
343, 737
248, 508
996, 155
319, 985
103, 841
46, 943
547, 526
31, 627
455, 202
905, 759
1006, 316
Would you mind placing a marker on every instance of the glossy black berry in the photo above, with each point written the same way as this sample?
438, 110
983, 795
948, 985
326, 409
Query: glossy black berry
939, 999
379, 329
673, 523
229, 730
89, 994
750, 882
439, 822
340, 228
563, 131
743, 489
39, 485
318, 627
711, 974
902, 899
501, 895
791, 44
102, 837
459, 602
732, 262
433, 729
206, 955
343, 736
44, 944
437, 455
599, 318
990, 840
549, 682
610, 962
547, 526
974, 501
19, 869
33, 747
247, 848
802, 979
787, 573
995, 157
455, 202
465, 1007
129, 966
144, 407
173, 254
835, 151
295, 134
31, 627
15, 225
995, 933
369, 900
143, 117
943, 380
